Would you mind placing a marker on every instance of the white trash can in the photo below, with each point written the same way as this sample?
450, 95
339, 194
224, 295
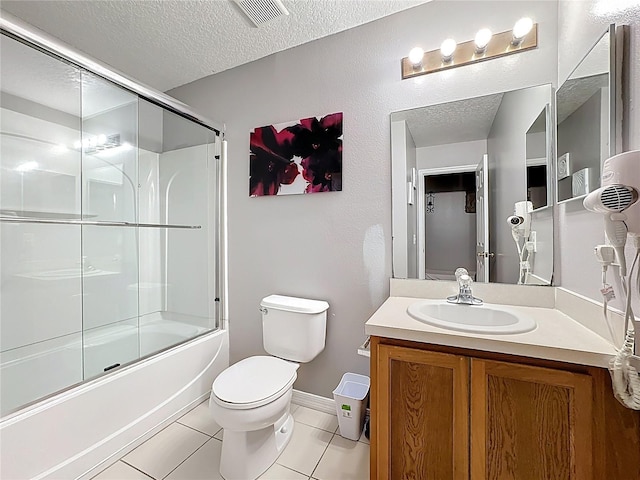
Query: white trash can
351, 396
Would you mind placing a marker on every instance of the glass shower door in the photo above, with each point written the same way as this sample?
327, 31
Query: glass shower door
177, 186
109, 233
40, 275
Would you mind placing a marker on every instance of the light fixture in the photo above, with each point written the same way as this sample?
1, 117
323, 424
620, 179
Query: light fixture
415, 56
520, 30
485, 46
482, 40
98, 143
430, 202
447, 48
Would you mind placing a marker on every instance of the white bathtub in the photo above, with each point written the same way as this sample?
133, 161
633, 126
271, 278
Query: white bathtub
80, 431
54, 365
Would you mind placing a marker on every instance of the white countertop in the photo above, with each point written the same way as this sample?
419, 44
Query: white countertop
556, 337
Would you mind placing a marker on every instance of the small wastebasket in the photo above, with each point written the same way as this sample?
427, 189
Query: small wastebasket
351, 399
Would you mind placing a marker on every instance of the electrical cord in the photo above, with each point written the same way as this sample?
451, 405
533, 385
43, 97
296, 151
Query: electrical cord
624, 377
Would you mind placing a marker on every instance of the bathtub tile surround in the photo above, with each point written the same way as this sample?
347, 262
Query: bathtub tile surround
183, 452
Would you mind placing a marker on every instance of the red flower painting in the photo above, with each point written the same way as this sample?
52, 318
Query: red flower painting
297, 157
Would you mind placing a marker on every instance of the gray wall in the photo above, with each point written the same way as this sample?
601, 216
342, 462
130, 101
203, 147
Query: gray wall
450, 234
579, 135
337, 246
451, 154
580, 26
507, 151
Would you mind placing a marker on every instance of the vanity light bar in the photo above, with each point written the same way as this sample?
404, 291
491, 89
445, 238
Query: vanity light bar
500, 45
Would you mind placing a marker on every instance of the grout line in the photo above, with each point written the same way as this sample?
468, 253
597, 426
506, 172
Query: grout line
192, 454
325, 451
196, 430
136, 468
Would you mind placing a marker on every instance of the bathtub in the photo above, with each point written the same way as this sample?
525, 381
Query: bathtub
78, 432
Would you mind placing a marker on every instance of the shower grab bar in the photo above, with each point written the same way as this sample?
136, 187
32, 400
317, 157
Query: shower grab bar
4, 219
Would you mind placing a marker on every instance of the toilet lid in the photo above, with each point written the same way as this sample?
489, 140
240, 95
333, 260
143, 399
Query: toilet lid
254, 379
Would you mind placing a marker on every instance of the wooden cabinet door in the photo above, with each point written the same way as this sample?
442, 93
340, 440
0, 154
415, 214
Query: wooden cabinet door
421, 409
529, 423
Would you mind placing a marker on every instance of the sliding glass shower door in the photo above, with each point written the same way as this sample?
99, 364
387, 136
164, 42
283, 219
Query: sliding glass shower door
108, 226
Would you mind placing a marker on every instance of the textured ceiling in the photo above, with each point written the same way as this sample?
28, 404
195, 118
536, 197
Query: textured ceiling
168, 43
47, 81
575, 91
453, 122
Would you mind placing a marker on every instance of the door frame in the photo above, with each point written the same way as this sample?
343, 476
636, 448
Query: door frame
422, 173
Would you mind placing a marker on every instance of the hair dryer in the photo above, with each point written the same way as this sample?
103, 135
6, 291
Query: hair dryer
611, 201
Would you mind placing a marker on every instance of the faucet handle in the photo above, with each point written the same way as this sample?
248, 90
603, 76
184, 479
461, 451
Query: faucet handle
464, 280
461, 271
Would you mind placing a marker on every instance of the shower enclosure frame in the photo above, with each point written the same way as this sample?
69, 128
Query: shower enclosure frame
13, 28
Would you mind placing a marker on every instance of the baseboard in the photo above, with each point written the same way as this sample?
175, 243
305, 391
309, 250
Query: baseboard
315, 402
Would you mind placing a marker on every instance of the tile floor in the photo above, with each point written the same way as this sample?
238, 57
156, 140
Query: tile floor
189, 449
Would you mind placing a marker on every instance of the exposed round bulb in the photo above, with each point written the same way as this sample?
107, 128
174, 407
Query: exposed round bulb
482, 38
522, 27
415, 55
447, 48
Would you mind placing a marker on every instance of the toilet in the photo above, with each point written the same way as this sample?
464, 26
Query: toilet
251, 399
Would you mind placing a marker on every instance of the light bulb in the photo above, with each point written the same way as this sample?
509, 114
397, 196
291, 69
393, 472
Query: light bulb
520, 30
482, 39
447, 48
415, 56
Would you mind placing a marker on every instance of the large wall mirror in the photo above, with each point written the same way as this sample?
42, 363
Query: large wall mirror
586, 120
472, 188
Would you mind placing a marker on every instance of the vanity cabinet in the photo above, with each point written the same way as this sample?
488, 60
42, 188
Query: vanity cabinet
529, 422
447, 413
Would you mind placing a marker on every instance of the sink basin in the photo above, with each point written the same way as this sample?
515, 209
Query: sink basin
489, 319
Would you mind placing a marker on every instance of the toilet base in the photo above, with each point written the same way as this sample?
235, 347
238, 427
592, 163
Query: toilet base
247, 455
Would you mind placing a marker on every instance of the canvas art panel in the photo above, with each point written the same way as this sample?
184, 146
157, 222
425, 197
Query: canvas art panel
303, 156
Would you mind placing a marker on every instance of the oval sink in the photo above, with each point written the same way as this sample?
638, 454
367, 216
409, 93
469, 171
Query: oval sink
470, 318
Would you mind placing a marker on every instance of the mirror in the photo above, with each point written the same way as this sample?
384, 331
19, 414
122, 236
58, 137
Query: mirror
585, 132
471, 187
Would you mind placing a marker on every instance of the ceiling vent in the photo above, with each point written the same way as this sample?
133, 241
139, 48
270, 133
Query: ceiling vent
262, 11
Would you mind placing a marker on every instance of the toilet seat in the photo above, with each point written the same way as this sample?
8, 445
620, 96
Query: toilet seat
253, 382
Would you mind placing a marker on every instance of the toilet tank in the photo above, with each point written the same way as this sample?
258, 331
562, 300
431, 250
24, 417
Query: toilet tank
293, 328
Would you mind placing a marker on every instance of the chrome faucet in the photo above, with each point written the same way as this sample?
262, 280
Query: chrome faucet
464, 296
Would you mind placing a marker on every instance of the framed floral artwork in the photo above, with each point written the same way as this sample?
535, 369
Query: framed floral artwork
303, 156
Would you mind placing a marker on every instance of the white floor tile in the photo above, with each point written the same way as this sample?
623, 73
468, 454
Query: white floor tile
305, 448
200, 418
317, 419
219, 435
121, 471
166, 450
204, 464
344, 459
294, 407
278, 472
